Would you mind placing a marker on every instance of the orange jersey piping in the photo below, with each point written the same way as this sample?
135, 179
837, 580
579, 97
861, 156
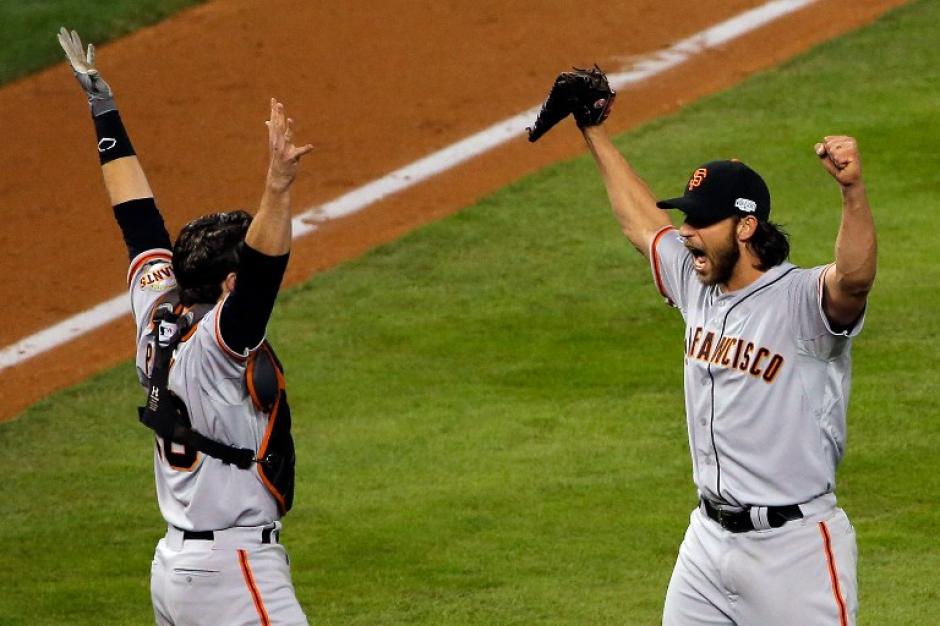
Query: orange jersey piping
157, 254
218, 334
654, 261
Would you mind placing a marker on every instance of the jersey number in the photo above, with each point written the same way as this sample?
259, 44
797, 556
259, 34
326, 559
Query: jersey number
179, 456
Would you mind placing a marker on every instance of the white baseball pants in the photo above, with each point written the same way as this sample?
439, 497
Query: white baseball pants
233, 579
800, 573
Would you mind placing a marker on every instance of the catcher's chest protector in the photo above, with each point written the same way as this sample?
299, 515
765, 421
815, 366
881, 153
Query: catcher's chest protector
264, 378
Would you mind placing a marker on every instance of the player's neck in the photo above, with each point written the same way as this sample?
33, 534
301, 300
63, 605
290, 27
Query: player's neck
745, 272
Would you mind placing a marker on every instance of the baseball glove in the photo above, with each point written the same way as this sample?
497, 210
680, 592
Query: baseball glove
585, 94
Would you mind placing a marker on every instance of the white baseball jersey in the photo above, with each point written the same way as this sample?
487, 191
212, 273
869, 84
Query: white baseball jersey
195, 491
766, 380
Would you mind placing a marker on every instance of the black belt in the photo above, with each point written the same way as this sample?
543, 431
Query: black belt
268, 535
740, 521
202, 535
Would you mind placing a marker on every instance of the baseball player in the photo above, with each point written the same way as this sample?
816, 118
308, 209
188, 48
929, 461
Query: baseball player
767, 376
223, 454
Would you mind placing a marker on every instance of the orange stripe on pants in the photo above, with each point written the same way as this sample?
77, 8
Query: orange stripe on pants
253, 588
834, 574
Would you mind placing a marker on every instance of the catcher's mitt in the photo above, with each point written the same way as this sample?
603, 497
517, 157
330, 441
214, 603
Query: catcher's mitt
585, 94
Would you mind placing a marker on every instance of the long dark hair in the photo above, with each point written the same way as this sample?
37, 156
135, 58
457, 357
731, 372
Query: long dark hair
207, 249
770, 243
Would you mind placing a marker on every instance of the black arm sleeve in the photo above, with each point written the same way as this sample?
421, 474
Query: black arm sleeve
113, 142
142, 226
245, 314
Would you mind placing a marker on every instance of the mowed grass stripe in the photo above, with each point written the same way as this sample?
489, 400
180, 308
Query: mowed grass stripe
489, 411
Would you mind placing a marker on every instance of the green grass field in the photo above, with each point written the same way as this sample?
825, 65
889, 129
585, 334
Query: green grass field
28, 27
489, 411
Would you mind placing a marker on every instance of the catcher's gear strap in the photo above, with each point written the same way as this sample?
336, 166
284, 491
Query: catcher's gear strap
265, 378
113, 142
161, 414
142, 226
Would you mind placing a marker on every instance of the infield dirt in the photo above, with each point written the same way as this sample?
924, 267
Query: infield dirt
372, 90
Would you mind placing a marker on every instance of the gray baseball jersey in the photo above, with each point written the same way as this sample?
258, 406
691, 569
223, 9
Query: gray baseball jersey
195, 491
766, 380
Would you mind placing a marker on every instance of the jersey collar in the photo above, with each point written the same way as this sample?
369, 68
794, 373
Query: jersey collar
767, 277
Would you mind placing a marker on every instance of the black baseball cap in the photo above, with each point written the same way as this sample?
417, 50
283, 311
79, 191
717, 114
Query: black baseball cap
722, 189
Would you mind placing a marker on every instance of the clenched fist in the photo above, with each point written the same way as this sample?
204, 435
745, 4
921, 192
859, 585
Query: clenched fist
839, 155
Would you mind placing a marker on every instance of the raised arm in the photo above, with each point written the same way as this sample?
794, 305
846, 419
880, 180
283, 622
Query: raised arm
245, 314
270, 231
631, 199
124, 179
586, 95
849, 280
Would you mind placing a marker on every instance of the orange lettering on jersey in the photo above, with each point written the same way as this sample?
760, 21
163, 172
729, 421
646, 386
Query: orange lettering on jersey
706, 347
159, 279
737, 354
761, 353
743, 359
747, 356
725, 361
770, 372
721, 352
695, 338
697, 177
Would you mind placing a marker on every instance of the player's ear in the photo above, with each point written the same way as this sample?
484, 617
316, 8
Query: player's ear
228, 285
746, 227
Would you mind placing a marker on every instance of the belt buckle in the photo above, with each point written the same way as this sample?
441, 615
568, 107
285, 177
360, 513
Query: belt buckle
729, 520
719, 515
723, 517
726, 519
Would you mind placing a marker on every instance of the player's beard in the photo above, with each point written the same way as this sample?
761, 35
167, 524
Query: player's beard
723, 260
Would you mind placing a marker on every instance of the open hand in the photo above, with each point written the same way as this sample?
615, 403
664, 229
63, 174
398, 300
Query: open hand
285, 156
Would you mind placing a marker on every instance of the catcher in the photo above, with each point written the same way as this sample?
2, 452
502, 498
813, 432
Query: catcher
223, 452
767, 375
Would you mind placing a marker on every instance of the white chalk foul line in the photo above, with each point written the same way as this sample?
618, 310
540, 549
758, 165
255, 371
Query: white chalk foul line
427, 167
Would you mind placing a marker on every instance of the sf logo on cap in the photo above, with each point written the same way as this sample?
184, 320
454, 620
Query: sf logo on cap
697, 177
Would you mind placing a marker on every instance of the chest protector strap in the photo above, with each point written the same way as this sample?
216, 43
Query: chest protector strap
161, 414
